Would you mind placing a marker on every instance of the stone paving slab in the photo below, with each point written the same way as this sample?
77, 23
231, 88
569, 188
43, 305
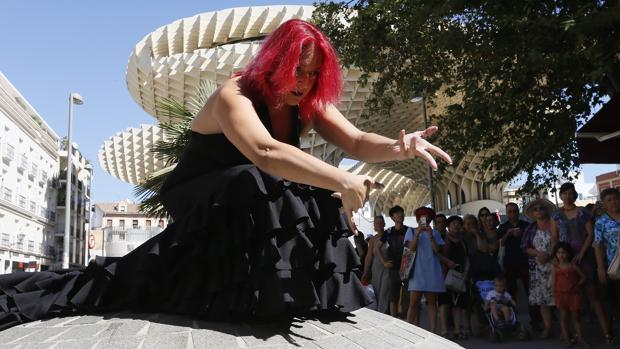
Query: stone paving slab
363, 329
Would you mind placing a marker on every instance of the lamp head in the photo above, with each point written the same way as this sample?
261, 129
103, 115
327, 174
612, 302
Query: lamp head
76, 98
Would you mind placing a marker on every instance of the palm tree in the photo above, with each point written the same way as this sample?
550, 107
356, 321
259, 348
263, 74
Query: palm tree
176, 137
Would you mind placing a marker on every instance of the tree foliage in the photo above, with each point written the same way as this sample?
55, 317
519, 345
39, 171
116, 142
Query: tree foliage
527, 73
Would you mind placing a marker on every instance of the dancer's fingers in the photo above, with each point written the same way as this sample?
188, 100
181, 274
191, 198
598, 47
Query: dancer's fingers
426, 156
439, 152
429, 131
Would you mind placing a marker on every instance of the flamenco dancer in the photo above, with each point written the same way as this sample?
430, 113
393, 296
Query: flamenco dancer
257, 230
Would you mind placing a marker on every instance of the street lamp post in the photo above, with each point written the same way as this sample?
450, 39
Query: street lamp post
74, 98
422, 98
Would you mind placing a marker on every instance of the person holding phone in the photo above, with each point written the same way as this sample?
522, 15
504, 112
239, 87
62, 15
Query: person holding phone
426, 278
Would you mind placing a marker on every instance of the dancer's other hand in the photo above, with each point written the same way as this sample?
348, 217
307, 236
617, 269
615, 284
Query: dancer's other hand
355, 193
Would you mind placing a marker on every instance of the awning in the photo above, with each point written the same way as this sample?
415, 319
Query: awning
598, 140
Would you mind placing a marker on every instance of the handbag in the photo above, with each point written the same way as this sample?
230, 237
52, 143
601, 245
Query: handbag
613, 271
406, 263
455, 281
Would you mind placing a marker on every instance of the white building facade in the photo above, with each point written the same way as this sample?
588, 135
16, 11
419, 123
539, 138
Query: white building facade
120, 227
28, 185
81, 179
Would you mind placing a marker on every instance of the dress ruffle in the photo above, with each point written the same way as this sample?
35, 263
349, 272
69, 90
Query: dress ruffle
244, 244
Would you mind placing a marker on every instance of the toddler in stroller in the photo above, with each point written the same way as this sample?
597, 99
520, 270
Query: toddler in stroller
499, 309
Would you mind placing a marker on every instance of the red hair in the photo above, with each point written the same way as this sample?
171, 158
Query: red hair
271, 73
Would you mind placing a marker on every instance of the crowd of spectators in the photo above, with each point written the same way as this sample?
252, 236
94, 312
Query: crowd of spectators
560, 256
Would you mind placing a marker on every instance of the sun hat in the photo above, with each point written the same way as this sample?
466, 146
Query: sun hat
547, 205
424, 211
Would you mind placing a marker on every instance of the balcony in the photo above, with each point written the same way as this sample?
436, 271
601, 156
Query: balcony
22, 164
51, 215
21, 201
42, 178
34, 171
7, 194
8, 152
33, 207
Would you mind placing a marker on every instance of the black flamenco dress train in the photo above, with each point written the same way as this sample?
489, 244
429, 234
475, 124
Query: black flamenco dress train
244, 244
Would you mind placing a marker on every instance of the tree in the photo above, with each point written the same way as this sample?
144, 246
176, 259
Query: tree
527, 72
177, 134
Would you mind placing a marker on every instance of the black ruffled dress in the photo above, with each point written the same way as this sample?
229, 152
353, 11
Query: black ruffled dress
243, 245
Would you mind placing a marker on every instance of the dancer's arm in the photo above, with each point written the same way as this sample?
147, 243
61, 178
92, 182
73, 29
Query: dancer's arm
371, 147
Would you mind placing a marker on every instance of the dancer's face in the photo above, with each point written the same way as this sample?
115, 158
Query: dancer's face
306, 75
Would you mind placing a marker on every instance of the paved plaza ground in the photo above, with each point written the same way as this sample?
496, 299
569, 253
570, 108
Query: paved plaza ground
364, 329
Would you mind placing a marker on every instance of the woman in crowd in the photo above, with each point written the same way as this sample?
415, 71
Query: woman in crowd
375, 271
537, 242
471, 238
576, 226
606, 243
426, 278
257, 229
454, 257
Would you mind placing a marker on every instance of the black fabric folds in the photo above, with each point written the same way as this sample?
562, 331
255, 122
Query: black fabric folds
243, 244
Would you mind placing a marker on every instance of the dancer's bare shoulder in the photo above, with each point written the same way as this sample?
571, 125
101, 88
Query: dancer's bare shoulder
218, 105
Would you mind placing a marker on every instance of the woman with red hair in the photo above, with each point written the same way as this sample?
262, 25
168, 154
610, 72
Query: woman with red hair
257, 229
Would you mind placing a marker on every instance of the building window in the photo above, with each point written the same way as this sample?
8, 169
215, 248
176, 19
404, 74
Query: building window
30, 246
5, 239
122, 208
7, 194
22, 201
108, 223
148, 223
134, 224
33, 207
121, 222
20, 245
161, 223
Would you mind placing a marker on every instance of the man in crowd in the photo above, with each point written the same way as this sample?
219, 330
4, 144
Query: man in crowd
515, 263
440, 225
395, 238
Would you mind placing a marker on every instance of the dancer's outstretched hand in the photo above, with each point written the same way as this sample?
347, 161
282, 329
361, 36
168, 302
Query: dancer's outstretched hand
354, 196
415, 144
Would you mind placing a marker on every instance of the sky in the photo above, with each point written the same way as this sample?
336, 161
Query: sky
52, 48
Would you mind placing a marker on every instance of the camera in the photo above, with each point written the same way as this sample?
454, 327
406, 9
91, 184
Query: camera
423, 221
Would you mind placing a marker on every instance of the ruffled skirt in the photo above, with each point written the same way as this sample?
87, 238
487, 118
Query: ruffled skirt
244, 244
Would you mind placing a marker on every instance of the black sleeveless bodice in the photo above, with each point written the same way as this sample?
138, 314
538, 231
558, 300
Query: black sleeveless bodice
210, 152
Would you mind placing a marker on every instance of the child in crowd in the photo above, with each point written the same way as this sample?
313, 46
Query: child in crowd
499, 300
567, 279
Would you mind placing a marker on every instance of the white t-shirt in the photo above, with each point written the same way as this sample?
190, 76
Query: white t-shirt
503, 298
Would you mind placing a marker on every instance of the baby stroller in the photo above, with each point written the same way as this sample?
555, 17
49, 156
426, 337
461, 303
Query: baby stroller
499, 329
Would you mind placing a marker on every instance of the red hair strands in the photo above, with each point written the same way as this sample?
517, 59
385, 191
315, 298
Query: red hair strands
271, 74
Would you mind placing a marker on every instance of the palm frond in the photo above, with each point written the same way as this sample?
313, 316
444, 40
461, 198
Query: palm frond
176, 138
204, 91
